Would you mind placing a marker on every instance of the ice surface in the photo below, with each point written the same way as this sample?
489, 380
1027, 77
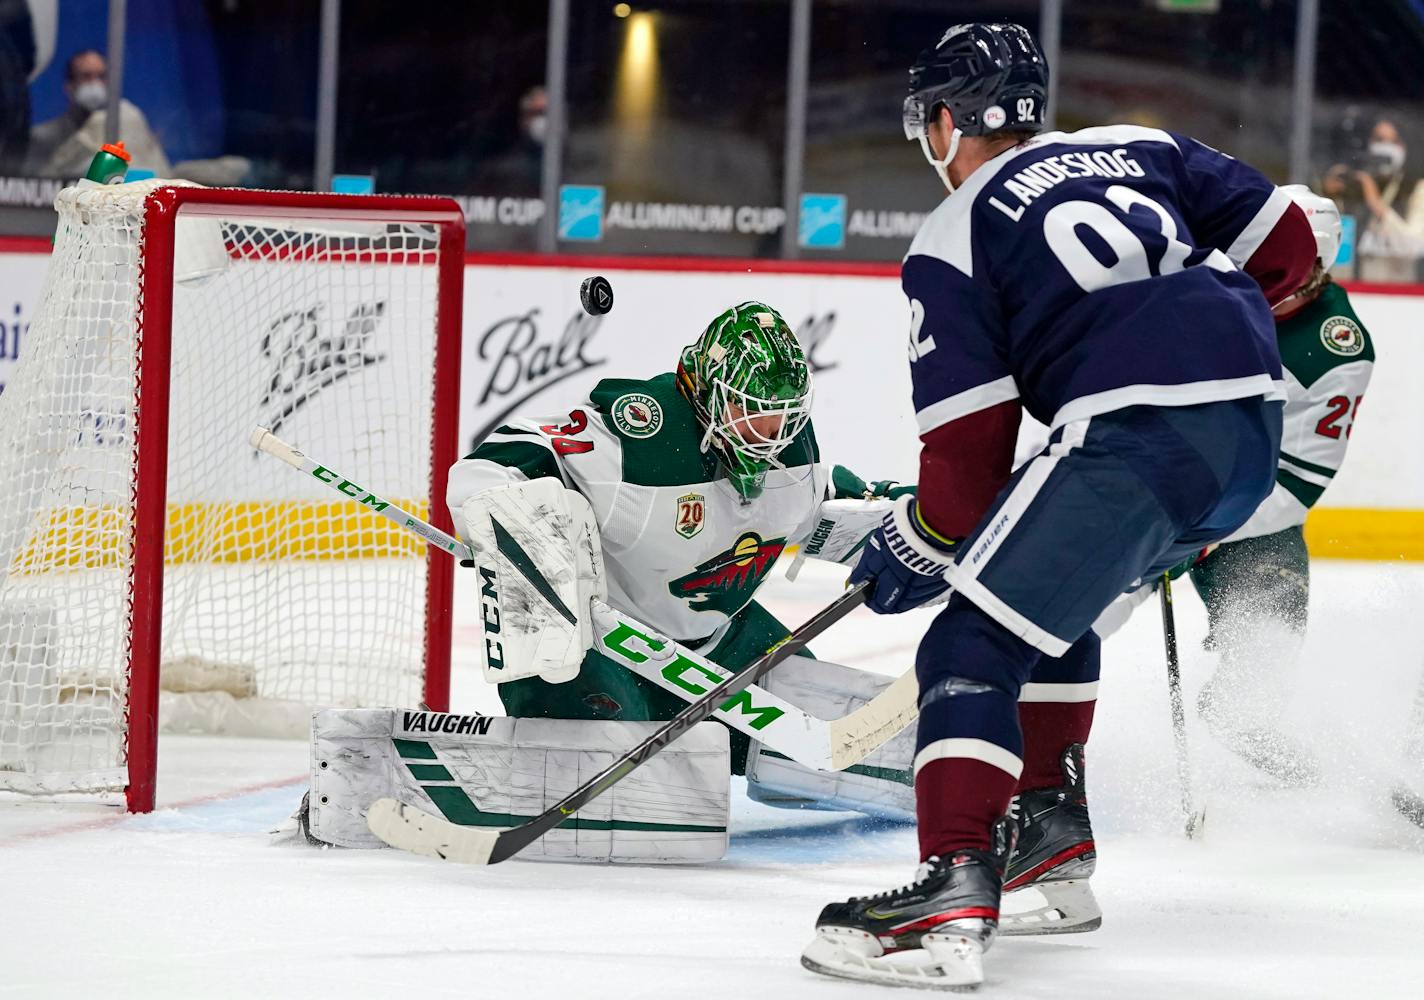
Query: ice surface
1291, 894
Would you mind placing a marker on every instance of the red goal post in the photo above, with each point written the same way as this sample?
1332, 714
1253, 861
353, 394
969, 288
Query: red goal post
337, 313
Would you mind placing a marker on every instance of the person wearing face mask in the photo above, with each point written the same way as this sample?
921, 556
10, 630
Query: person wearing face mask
63, 146
519, 170
1368, 187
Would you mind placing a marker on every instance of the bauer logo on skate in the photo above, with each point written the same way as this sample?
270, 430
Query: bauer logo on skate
309, 353
727, 581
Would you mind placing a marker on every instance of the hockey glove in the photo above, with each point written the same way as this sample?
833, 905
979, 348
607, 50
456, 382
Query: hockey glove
907, 562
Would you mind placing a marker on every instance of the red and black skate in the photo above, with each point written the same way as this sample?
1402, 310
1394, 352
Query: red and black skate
1054, 857
931, 933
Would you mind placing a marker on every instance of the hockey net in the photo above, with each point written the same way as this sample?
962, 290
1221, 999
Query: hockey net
145, 545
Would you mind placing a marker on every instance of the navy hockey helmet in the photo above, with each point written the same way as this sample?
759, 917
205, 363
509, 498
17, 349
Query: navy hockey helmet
992, 77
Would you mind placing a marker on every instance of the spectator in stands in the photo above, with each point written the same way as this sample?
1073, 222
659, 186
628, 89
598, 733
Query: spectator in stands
63, 146
1370, 184
519, 171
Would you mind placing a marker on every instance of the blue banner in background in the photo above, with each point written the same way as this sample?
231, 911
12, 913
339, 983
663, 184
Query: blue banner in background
1347, 240
822, 222
581, 212
353, 184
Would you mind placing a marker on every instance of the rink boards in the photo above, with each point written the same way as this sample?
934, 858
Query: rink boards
530, 349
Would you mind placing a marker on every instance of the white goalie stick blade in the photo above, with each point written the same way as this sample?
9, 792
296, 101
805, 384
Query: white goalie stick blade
1050, 908
944, 962
859, 734
407, 828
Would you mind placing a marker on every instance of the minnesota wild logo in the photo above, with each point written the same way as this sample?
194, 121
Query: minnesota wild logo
637, 415
1342, 335
727, 581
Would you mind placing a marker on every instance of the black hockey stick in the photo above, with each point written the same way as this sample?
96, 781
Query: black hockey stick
412, 829
1179, 715
1405, 799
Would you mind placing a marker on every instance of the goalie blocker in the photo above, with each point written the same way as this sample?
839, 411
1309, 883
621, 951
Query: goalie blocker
536, 550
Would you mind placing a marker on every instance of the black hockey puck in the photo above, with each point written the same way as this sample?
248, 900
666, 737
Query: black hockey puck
596, 294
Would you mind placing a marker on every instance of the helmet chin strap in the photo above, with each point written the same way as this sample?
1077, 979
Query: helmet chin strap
941, 167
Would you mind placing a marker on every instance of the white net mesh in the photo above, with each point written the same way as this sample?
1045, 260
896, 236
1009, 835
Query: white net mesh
274, 588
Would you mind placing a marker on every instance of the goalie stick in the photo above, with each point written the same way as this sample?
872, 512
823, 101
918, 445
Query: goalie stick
411, 829
825, 745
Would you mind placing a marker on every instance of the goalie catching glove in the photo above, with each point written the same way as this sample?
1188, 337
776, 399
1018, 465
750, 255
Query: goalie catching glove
539, 563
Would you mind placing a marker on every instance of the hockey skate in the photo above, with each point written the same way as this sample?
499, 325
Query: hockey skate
1053, 858
930, 934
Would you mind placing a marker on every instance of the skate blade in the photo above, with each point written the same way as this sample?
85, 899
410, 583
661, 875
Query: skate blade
1067, 908
949, 962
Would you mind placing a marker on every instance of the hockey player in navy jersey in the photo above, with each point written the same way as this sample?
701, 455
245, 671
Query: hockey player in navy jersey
1117, 284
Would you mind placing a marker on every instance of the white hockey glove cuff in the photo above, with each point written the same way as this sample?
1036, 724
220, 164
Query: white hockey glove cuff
539, 563
842, 526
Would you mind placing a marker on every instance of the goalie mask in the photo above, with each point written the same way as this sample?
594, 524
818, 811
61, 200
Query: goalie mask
750, 387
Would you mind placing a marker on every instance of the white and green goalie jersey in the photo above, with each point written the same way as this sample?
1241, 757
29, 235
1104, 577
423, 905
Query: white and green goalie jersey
682, 550
1328, 357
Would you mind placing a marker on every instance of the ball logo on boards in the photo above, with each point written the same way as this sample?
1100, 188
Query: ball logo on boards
310, 352
521, 364
691, 512
1342, 335
637, 415
813, 334
11, 335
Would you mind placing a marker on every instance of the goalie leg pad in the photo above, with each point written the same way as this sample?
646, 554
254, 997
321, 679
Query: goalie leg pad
499, 772
882, 785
